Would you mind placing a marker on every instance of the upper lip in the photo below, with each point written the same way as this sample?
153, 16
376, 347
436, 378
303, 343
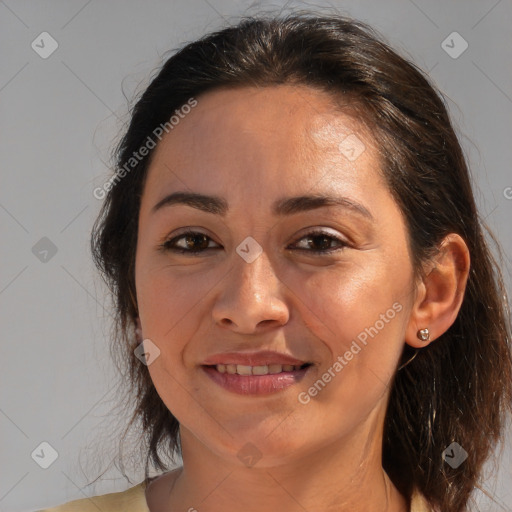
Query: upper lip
261, 358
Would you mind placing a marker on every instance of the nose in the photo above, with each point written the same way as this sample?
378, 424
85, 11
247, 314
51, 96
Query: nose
249, 300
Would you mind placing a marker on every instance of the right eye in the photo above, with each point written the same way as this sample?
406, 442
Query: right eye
195, 242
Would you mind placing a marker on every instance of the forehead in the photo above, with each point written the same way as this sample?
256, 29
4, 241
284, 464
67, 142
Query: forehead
280, 134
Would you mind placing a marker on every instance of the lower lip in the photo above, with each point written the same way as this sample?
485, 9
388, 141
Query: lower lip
255, 384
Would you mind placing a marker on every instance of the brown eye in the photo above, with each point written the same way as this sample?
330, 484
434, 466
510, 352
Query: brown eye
319, 242
195, 242
192, 242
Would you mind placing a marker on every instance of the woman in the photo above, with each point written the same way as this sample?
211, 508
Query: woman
307, 306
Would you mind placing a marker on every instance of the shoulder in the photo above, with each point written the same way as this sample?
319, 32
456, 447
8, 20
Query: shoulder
131, 500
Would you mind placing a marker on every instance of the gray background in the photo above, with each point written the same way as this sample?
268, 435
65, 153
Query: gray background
60, 116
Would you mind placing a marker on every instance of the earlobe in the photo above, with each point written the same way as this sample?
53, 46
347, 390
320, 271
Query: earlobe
440, 293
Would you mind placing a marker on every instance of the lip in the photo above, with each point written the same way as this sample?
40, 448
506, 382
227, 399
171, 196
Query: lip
255, 384
260, 358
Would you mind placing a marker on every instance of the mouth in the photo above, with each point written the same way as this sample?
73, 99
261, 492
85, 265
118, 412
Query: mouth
266, 369
262, 379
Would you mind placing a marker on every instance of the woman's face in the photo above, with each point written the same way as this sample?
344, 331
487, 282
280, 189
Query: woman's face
256, 293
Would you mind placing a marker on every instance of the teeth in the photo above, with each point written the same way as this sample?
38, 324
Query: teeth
241, 369
275, 368
259, 370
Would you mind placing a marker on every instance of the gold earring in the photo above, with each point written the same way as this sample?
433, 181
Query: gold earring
423, 334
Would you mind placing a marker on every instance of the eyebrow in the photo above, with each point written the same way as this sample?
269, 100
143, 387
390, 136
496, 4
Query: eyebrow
281, 207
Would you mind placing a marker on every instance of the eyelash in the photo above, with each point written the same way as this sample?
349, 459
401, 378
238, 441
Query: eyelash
167, 245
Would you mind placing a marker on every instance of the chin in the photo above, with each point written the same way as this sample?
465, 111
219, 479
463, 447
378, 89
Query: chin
263, 447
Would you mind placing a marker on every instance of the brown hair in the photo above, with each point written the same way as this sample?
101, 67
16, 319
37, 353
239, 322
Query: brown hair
456, 389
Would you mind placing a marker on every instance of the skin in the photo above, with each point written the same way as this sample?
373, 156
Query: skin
251, 147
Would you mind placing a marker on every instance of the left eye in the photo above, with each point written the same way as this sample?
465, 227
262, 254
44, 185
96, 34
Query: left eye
322, 240
317, 242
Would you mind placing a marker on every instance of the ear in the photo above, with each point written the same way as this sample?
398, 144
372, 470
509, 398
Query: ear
440, 293
138, 330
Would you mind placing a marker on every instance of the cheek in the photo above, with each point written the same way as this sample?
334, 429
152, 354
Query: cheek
358, 313
172, 310
166, 297
343, 302
167, 305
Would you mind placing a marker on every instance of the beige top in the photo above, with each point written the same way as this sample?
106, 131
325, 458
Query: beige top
134, 500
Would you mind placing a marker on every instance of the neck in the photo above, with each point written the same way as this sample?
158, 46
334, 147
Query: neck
210, 483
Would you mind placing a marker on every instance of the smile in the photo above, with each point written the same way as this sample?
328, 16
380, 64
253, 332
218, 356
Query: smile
256, 380
272, 369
